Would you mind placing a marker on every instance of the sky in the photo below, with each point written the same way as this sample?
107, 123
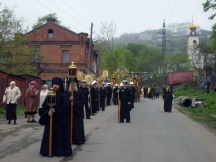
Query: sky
130, 16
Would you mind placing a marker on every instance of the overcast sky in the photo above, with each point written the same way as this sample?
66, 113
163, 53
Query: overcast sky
130, 16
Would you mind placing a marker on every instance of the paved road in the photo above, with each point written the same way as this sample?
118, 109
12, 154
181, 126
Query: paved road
152, 136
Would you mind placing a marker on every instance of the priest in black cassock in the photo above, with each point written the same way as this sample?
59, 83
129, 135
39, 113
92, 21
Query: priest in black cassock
60, 113
78, 101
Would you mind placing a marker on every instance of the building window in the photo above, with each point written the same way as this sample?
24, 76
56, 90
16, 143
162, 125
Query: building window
50, 33
34, 58
65, 56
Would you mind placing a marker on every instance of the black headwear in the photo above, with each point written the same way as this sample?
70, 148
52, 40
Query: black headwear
58, 81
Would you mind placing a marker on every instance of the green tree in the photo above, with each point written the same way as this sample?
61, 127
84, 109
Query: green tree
42, 20
211, 5
15, 55
177, 62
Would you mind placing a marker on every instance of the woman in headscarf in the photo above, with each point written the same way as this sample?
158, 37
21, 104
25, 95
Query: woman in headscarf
60, 113
11, 94
31, 101
43, 94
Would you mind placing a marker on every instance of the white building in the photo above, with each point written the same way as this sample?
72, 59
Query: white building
181, 28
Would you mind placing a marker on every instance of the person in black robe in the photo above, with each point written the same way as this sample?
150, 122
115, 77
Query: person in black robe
115, 95
133, 92
167, 97
102, 96
60, 113
78, 101
86, 94
125, 98
109, 93
94, 97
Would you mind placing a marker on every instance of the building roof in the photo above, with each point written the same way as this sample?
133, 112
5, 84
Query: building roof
192, 25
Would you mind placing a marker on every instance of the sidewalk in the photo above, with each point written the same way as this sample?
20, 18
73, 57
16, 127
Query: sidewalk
22, 141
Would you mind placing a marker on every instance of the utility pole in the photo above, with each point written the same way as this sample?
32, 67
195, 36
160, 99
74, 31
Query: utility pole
90, 49
163, 44
164, 40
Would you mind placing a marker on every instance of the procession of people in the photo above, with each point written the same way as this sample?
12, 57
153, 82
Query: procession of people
63, 121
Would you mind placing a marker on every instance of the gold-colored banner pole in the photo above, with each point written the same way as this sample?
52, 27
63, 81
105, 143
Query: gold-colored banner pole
72, 74
118, 107
50, 136
51, 101
98, 99
71, 115
90, 102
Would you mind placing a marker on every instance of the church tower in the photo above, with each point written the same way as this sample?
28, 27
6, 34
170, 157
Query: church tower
193, 42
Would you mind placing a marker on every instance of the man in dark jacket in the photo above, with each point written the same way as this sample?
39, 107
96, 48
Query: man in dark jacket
102, 96
94, 97
86, 94
115, 95
109, 93
125, 98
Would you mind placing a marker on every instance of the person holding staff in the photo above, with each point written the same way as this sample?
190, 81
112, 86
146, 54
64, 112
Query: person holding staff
60, 129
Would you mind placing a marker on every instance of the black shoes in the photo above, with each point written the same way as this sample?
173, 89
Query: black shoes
34, 121
31, 121
15, 122
9, 122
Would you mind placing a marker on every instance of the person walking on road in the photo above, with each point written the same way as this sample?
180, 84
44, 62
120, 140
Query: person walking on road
86, 105
78, 101
94, 97
102, 96
125, 98
11, 95
167, 97
31, 97
43, 94
109, 93
60, 123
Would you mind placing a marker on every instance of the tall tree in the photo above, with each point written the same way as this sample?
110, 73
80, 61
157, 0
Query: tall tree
211, 5
42, 20
105, 41
15, 55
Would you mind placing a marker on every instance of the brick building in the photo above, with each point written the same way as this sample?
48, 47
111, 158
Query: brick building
59, 47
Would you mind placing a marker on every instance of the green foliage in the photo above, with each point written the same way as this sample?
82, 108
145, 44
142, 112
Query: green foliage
20, 111
207, 6
42, 20
190, 90
15, 55
206, 115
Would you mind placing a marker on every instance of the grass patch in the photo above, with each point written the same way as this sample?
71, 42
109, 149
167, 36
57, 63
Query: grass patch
206, 115
20, 111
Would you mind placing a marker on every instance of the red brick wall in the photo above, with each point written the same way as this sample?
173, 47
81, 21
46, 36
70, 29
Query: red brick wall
63, 39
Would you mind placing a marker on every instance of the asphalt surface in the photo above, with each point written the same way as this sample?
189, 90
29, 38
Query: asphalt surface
152, 136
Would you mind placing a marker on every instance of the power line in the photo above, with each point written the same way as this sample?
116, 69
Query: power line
59, 16
172, 11
67, 13
75, 11
167, 9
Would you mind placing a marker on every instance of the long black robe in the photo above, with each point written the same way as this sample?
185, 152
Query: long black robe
125, 97
78, 137
168, 97
60, 136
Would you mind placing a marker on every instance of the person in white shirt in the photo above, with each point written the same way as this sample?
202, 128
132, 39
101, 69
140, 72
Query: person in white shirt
43, 94
11, 95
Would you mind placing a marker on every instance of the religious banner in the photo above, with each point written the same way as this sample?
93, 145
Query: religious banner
80, 75
105, 73
89, 78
